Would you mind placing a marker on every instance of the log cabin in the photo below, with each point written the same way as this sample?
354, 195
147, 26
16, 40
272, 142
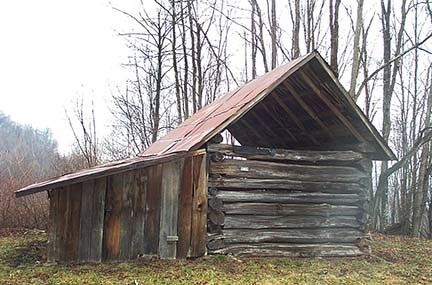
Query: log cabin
296, 183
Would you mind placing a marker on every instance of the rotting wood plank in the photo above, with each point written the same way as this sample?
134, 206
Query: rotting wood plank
52, 226
126, 215
291, 250
261, 153
199, 207
62, 222
185, 209
169, 209
277, 209
247, 184
289, 197
286, 222
112, 227
310, 236
152, 215
73, 230
139, 200
97, 219
84, 246
264, 169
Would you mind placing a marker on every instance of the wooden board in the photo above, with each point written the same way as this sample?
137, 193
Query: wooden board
291, 250
285, 154
284, 222
263, 169
84, 246
97, 219
290, 197
199, 206
285, 184
169, 209
290, 209
73, 229
112, 226
151, 223
185, 209
52, 226
139, 201
62, 223
315, 235
126, 214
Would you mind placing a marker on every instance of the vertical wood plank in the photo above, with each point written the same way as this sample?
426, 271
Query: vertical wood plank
152, 216
86, 213
169, 208
62, 222
73, 229
52, 226
126, 214
97, 219
199, 206
113, 206
185, 209
139, 198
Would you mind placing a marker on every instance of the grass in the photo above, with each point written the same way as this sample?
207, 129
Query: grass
395, 260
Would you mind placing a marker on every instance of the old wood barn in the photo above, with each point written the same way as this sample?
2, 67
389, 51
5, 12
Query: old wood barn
297, 183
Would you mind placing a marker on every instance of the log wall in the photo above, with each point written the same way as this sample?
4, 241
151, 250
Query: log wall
154, 211
267, 202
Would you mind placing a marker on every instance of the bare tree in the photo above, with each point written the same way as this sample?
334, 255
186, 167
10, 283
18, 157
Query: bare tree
83, 127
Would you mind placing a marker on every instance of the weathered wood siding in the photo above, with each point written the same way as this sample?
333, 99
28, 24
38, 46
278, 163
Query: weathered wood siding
265, 202
158, 211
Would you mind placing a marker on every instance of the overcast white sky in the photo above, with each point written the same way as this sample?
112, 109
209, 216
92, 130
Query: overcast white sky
52, 51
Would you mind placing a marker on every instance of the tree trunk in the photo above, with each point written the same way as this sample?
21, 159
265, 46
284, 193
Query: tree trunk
334, 35
273, 34
174, 58
356, 51
295, 49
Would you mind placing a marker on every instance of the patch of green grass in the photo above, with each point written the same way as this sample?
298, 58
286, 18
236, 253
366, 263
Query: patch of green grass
395, 260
